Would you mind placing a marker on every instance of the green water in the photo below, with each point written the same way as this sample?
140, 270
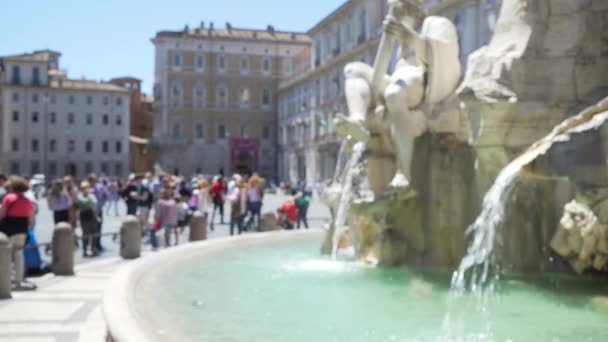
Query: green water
280, 291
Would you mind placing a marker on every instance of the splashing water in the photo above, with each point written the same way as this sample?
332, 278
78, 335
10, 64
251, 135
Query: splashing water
342, 152
347, 194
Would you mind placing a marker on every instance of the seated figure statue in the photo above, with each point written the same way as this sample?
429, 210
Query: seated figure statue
427, 72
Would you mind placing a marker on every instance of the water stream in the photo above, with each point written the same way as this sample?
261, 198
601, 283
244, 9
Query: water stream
342, 152
347, 194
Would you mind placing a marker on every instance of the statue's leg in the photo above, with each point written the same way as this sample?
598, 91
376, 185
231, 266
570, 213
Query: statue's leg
405, 91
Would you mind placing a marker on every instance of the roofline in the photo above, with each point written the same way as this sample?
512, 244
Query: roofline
317, 27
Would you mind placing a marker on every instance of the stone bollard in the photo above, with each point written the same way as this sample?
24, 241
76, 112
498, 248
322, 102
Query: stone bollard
5, 267
198, 227
130, 238
269, 222
63, 250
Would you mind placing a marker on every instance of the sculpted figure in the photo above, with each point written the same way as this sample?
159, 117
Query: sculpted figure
395, 107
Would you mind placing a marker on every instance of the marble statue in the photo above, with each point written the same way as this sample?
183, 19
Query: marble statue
388, 112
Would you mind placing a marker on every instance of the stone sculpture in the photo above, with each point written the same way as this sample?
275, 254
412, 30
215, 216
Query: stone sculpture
388, 112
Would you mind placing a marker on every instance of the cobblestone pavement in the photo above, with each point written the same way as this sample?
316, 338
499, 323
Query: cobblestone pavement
68, 308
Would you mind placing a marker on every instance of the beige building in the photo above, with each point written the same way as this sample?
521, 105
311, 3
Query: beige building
215, 93
310, 99
55, 125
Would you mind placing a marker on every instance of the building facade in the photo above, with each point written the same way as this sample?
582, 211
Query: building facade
215, 98
141, 124
55, 125
310, 99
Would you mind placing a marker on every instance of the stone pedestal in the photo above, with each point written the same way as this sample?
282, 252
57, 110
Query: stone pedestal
130, 238
268, 222
5, 267
198, 227
63, 250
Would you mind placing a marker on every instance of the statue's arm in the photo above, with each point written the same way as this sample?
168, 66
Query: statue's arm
407, 37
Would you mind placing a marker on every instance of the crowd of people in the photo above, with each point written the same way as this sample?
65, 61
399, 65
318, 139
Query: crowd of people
163, 205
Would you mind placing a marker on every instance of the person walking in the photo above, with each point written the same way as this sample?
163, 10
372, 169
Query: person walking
217, 191
129, 194
166, 217
59, 202
238, 202
204, 199
89, 221
16, 216
145, 200
101, 195
302, 201
114, 196
254, 202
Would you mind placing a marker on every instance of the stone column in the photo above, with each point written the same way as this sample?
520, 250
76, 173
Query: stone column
198, 227
63, 250
5, 267
268, 222
130, 238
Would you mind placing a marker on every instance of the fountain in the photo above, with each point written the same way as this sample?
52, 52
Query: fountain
484, 215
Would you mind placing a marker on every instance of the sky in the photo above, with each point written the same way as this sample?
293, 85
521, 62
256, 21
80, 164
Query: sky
103, 39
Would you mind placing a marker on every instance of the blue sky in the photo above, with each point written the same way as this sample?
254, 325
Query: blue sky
101, 39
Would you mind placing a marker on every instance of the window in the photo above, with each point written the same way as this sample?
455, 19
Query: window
362, 27
244, 97
89, 119
53, 117
200, 133
35, 98
71, 146
15, 116
88, 167
35, 145
106, 101
118, 120
118, 147
221, 62
177, 130
52, 168
244, 130
71, 118
105, 147
105, 168
52, 145
176, 94
36, 76
222, 97
118, 169
15, 145
16, 75
89, 100
221, 131
53, 99
119, 101
266, 132
266, 65
71, 99
15, 97
88, 147
244, 64
177, 60
199, 95
287, 65
105, 119
35, 117
15, 168
34, 167
265, 97
200, 62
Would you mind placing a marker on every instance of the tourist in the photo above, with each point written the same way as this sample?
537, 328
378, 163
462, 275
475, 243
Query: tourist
166, 215
204, 199
302, 201
129, 195
101, 195
238, 202
254, 201
145, 200
16, 216
89, 220
217, 191
114, 196
2, 187
59, 202
72, 191
183, 215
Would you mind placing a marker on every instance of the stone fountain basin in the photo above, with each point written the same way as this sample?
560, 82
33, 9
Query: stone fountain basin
125, 322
